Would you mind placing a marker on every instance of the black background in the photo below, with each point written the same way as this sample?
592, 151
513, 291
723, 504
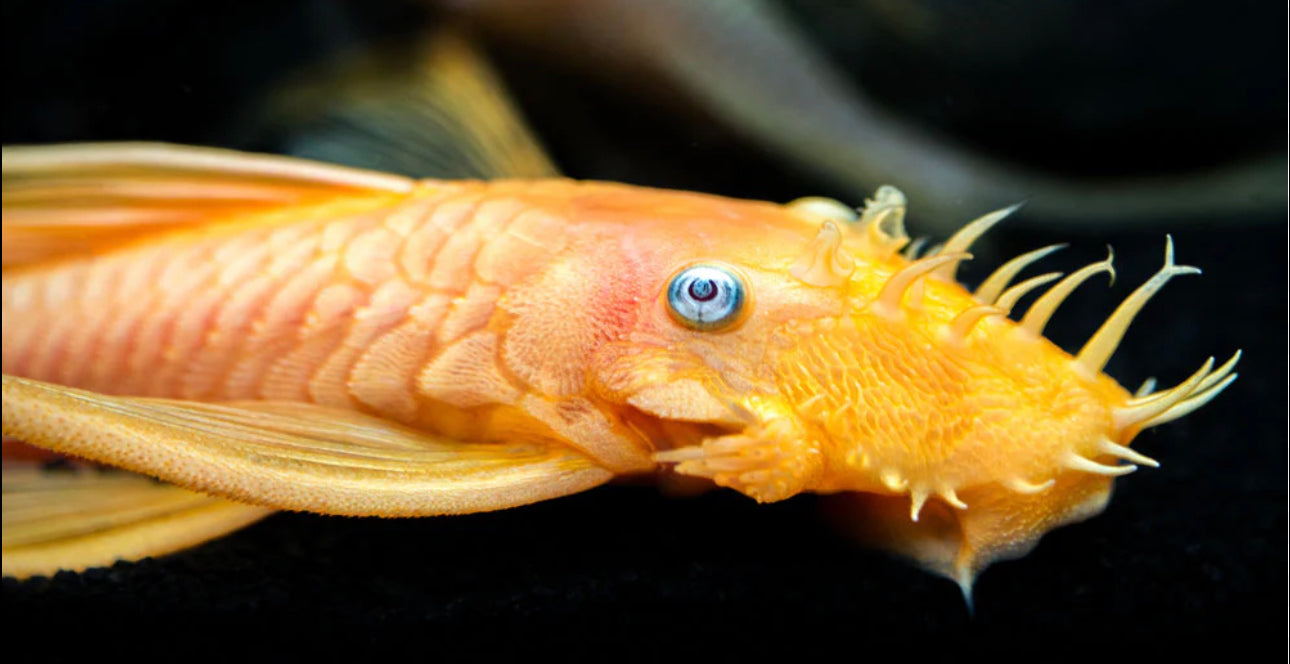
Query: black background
1192, 553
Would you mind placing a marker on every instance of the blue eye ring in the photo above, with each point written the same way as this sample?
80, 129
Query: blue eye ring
706, 297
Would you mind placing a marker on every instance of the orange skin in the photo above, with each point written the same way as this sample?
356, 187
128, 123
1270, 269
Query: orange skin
487, 312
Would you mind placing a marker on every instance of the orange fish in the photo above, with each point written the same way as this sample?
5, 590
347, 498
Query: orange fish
275, 334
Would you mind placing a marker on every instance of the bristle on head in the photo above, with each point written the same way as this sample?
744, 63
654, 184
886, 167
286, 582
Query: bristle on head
993, 286
1074, 461
1013, 295
1128, 454
1147, 387
1093, 357
962, 325
959, 328
883, 221
918, 498
1149, 408
1168, 405
952, 498
1187, 406
911, 251
824, 262
1044, 308
963, 239
888, 302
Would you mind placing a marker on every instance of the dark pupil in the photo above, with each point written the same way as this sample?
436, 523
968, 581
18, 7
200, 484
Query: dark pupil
703, 290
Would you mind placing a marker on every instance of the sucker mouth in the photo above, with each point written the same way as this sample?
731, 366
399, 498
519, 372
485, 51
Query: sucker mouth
665, 436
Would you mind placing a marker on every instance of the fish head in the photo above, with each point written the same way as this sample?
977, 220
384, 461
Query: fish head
827, 361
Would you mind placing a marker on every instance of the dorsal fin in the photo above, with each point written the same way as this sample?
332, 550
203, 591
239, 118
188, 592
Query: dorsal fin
76, 198
432, 109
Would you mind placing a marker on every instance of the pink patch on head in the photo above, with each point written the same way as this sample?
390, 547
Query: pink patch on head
584, 300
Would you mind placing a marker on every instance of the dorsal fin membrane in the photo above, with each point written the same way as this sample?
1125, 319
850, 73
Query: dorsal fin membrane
433, 110
77, 198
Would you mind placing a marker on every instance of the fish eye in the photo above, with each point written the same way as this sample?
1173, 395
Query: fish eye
705, 297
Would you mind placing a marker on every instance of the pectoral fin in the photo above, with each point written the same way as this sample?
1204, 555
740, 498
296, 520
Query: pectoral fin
294, 456
76, 518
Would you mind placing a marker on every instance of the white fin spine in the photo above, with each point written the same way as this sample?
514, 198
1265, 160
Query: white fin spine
1093, 357
994, 285
963, 239
1044, 308
1146, 388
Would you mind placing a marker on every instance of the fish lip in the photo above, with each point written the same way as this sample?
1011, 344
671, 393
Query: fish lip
667, 436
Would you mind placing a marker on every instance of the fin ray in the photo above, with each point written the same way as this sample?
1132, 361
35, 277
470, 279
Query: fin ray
435, 110
77, 519
77, 198
294, 456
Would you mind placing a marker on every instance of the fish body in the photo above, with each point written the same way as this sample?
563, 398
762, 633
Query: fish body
467, 308
432, 347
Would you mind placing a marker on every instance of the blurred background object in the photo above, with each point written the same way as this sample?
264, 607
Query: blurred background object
1077, 108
